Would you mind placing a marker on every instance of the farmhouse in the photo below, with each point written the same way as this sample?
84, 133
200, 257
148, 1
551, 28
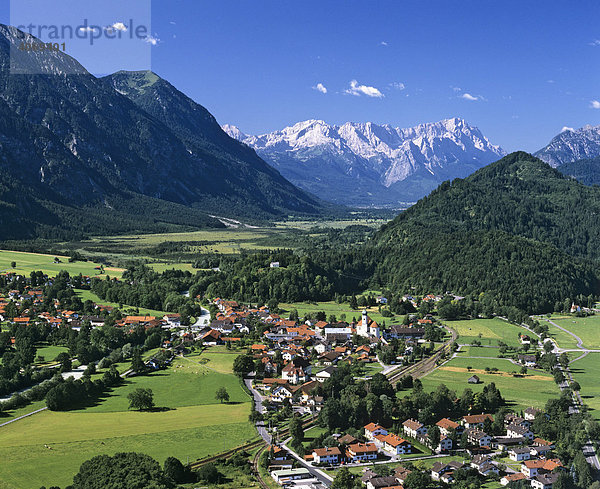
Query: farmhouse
413, 428
388, 482
372, 430
528, 360
479, 438
361, 452
398, 331
394, 444
327, 455
531, 412
476, 420
324, 374
544, 481
507, 479
518, 431
446, 426
519, 454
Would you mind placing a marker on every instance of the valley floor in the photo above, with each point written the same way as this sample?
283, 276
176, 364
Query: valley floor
48, 448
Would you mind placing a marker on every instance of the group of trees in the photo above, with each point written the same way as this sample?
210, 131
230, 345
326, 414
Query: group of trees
70, 393
142, 287
351, 403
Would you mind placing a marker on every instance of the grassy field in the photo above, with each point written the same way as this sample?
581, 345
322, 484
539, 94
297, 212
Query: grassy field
89, 295
534, 389
478, 351
588, 329
587, 371
193, 424
31, 262
49, 352
488, 331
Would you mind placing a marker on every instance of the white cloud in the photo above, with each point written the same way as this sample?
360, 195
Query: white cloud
383, 43
550, 81
456, 89
565, 128
468, 96
117, 26
595, 42
152, 40
172, 23
594, 104
398, 85
87, 29
358, 90
319, 87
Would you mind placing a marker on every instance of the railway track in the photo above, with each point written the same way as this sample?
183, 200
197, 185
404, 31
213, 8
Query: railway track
248, 446
425, 366
255, 470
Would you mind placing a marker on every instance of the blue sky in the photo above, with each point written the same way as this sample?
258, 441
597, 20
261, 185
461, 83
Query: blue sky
519, 70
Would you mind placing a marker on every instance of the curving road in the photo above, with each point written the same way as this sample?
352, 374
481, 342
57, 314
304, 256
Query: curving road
588, 449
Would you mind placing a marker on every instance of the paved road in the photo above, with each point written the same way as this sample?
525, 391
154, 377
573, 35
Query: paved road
24, 416
588, 449
321, 476
258, 402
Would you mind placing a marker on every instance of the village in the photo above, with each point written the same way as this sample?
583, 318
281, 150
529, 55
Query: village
295, 359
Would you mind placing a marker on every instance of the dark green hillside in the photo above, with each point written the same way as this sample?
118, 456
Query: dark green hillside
584, 171
86, 157
520, 195
516, 230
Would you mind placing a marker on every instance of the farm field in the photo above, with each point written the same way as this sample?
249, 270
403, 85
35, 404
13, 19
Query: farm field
587, 371
491, 331
534, 389
477, 351
186, 428
228, 240
30, 262
89, 295
587, 328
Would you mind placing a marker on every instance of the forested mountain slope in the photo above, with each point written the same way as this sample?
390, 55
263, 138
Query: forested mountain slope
516, 230
79, 149
584, 171
520, 195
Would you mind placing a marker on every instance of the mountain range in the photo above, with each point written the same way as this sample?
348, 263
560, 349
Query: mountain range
366, 164
81, 155
571, 145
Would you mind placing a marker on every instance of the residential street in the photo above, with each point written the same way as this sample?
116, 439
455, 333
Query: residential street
317, 473
258, 402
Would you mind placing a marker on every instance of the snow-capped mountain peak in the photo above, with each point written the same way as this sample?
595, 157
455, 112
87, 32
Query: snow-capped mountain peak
572, 145
366, 150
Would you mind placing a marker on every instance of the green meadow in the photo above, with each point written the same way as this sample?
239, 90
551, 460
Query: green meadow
587, 328
85, 295
31, 262
532, 389
587, 371
48, 448
488, 331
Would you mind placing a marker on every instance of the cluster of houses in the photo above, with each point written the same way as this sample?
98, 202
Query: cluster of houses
538, 465
33, 298
296, 356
